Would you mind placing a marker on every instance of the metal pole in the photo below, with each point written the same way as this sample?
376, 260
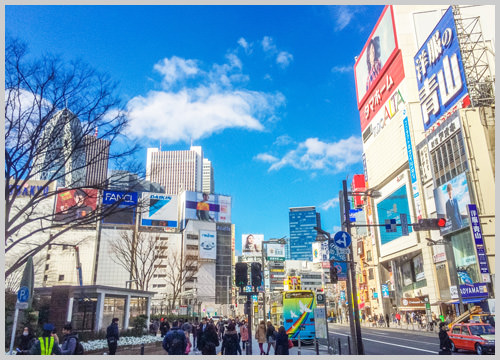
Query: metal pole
327, 334
340, 346
249, 313
300, 348
359, 340
14, 326
263, 261
227, 296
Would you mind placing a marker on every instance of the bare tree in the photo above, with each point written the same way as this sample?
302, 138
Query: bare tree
140, 256
179, 271
52, 112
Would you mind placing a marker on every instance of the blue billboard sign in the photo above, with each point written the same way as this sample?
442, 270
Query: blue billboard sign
121, 207
478, 240
440, 73
390, 209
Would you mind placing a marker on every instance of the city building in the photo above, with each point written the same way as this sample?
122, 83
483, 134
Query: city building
177, 171
208, 177
302, 222
427, 122
96, 160
125, 180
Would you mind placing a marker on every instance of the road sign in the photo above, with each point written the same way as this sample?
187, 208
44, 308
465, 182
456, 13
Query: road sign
343, 251
342, 239
22, 305
23, 294
404, 224
390, 225
320, 298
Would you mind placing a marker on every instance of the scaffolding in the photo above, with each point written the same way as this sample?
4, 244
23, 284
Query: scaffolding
474, 50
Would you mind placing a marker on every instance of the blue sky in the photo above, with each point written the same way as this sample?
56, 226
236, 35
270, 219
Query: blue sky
267, 91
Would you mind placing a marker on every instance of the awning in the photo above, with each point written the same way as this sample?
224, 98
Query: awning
466, 301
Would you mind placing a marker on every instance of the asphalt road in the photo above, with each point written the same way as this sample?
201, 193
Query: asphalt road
383, 341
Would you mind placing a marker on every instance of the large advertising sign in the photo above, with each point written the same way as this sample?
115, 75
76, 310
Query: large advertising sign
160, 210
440, 74
390, 208
252, 244
208, 244
320, 251
451, 200
475, 225
208, 207
74, 204
121, 206
275, 252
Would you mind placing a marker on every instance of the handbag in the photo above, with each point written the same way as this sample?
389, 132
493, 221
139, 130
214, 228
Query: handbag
188, 348
290, 344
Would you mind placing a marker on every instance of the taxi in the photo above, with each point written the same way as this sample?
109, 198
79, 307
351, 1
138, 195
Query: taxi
478, 337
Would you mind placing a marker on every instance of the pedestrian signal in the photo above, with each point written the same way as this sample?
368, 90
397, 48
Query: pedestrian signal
256, 273
241, 274
333, 274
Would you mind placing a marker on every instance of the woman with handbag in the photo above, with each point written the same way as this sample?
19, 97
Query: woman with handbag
260, 335
282, 342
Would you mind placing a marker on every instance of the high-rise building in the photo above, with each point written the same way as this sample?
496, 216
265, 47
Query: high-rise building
96, 159
302, 220
176, 170
60, 153
208, 177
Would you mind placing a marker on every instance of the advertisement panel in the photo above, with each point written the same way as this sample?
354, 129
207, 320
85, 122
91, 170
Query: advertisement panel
252, 244
411, 164
407, 275
440, 74
207, 207
208, 244
159, 210
451, 200
390, 208
418, 266
475, 225
376, 55
320, 251
124, 204
73, 204
275, 252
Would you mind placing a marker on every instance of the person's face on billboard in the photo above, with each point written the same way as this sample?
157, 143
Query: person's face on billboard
250, 240
371, 55
79, 199
450, 191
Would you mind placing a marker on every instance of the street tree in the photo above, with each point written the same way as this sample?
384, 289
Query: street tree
180, 269
54, 111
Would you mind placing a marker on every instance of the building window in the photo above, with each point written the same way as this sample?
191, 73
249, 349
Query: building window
45, 278
449, 160
48, 257
61, 277
369, 255
370, 274
46, 267
65, 247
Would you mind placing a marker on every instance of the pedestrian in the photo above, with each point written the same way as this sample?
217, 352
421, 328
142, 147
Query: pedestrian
281, 342
174, 341
70, 340
189, 345
25, 341
54, 335
230, 342
164, 327
398, 318
46, 344
260, 335
196, 324
209, 340
113, 335
199, 333
270, 337
244, 333
490, 319
387, 319
220, 327
444, 340
152, 328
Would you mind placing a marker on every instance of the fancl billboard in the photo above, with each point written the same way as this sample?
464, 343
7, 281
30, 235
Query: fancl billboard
159, 210
120, 206
440, 74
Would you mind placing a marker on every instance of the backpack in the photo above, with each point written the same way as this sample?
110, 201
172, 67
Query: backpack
79, 350
177, 343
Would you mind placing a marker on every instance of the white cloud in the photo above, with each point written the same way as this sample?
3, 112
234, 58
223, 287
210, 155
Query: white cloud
342, 69
212, 105
330, 204
343, 17
266, 158
245, 45
283, 140
284, 58
268, 44
313, 154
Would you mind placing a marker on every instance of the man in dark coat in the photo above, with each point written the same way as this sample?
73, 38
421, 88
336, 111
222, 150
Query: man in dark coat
281, 342
444, 340
175, 341
25, 340
68, 346
208, 340
113, 335
230, 341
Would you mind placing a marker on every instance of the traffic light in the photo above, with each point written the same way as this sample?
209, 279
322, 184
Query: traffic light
333, 274
256, 272
241, 274
430, 224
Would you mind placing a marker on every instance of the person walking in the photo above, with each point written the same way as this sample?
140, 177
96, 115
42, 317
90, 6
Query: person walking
281, 342
444, 340
112, 336
209, 340
260, 335
200, 333
196, 325
188, 329
25, 341
46, 344
164, 327
70, 340
270, 337
174, 341
230, 341
244, 333
398, 318
387, 319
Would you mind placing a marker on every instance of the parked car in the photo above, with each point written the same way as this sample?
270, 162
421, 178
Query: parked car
478, 337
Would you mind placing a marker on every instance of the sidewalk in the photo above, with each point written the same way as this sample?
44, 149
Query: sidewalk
393, 326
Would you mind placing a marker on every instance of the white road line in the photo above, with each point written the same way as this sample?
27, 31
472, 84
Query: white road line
383, 342
392, 337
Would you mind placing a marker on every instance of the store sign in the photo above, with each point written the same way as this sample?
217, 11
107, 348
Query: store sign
440, 73
445, 132
475, 226
385, 290
411, 164
476, 290
414, 302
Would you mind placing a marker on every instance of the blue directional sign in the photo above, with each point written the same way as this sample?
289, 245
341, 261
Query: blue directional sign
23, 294
342, 239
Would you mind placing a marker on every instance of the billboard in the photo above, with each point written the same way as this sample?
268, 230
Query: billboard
159, 210
275, 252
251, 244
440, 74
418, 267
74, 204
208, 244
376, 56
451, 200
207, 207
390, 208
121, 206
320, 251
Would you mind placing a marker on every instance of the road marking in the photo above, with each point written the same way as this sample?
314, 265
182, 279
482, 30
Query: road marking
392, 337
387, 343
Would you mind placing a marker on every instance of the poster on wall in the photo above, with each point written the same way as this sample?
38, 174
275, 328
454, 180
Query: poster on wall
207, 207
391, 208
251, 244
74, 204
159, 210
418, 266
208, 244
275, 252
407, 276
451, 200
320, 251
